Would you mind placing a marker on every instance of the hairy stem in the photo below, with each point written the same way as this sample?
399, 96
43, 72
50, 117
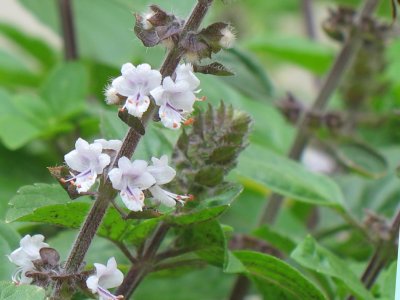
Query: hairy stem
106, 193
383, 254
68, 29
138, 272
340, 66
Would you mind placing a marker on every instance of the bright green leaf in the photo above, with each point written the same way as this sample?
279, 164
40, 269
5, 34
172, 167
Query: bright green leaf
313, 256
66, 88
10, 291
262, 169
275, 277
308, 54
31, 197
209, 208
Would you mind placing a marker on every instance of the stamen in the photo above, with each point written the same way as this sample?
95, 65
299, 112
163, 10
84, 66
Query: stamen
189, 121
107, 295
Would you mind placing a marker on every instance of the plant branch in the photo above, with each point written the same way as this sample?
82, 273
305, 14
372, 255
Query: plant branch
126, 252
309, 20
383, 254
340, 66
68, 30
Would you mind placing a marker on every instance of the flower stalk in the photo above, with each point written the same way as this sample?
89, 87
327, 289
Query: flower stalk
106, 193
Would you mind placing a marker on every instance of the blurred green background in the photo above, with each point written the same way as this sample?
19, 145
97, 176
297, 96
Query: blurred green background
45, 104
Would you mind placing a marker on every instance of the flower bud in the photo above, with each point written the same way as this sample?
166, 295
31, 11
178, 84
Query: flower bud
228, 37
146, 24
112, 97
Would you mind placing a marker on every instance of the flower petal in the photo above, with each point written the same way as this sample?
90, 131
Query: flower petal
115, 176
133, 199
160, 195
76, 161
137, 107
92, 283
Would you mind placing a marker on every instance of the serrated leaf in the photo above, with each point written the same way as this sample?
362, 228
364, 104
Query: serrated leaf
31, 197
10, 291
262, 169
313, 256
276, 278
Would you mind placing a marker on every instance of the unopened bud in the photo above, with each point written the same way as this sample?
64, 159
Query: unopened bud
228, 37
146, 24
111, 96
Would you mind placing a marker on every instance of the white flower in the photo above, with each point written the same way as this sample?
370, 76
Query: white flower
228, 37
163, 174
111, 96
89, 161
106, 277
176, 98
114, 145
136, 84
131, 178
24, 255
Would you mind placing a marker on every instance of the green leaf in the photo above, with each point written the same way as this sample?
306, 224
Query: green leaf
72, 214
208, 209
305, 53
9, 241
65, 89
249, 78
262, 169
361, 158
275, 238
206, 239
34, 46
141, 231
31, 197
311, 255
14, 71
388, 282
276, 279
10, 291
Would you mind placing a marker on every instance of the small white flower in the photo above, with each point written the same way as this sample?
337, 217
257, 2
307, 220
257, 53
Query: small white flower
176, 98
136, 84
228, 38
89, 161
25, 254
111, 96
106, 277
114, 145
163, 174
131, 178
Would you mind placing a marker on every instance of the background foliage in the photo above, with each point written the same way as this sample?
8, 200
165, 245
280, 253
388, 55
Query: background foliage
46, 103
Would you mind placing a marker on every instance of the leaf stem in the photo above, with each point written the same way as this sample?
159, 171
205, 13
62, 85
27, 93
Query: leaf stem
68, 29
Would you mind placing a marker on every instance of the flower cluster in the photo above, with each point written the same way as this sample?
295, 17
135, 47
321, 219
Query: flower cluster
132, 178
32, 253
24, 256
174, 95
